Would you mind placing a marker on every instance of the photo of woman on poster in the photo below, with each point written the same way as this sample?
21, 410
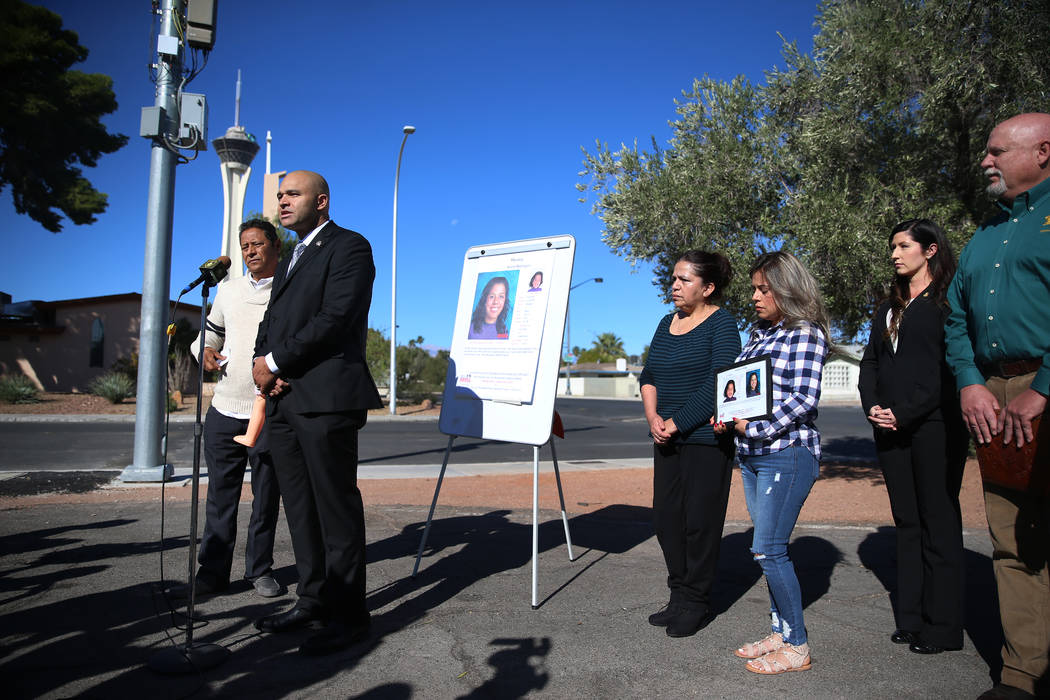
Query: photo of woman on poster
490, 318
729, 393
753, 388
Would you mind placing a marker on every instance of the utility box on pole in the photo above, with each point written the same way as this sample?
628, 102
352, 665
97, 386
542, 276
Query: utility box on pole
200, 23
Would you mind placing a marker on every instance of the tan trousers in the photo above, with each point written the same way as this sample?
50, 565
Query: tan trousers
1019, 524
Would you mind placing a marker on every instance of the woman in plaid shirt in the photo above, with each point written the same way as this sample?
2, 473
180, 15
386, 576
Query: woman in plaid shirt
779, 455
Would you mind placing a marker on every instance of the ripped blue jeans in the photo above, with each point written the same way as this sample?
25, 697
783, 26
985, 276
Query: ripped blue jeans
775, 487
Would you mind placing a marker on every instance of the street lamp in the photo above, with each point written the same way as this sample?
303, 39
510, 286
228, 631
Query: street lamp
393, 281
568, 341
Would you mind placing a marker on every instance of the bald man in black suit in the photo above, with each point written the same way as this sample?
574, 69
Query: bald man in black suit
310, 363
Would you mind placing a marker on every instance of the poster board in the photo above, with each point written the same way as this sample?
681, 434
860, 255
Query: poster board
506, 342
744, 390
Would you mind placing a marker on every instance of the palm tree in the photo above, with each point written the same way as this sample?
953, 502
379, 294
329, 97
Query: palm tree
609, 347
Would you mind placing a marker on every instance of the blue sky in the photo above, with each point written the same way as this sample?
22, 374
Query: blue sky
503, 96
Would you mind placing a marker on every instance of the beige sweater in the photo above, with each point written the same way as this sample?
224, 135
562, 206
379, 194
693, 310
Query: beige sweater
232, 326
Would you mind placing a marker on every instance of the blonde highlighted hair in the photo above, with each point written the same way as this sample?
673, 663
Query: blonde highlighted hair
795, 291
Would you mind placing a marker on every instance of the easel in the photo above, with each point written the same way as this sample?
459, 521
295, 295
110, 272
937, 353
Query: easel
528, 420
535, 510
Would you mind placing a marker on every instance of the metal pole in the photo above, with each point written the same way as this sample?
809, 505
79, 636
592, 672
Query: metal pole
393, 282
561, 498
156, 273
535, 521
433, 505
568, 349
568, 339
198, 432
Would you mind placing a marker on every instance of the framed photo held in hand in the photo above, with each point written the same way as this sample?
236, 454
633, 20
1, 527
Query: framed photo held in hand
744, 390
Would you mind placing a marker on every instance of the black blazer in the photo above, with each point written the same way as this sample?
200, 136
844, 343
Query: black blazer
317, 322
914, 381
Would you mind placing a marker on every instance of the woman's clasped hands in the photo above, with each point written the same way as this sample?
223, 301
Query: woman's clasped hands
662, 430
882, 418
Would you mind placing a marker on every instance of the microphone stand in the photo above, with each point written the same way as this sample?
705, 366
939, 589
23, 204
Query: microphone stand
192, 657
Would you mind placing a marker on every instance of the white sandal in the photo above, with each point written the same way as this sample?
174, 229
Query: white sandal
786, 659
754, 650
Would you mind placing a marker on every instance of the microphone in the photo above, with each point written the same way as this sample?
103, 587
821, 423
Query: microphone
212, 272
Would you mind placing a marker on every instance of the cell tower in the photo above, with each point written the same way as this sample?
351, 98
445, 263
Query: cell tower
236, 149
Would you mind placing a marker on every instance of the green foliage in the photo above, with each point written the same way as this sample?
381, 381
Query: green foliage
607, 347
128, 366
887, 120
112, 386
419, 375
183, 339
708, 189
17, 388
377, 355
50, 118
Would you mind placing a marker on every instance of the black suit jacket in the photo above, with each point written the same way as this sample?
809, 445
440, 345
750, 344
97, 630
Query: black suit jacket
317, 322
914, 380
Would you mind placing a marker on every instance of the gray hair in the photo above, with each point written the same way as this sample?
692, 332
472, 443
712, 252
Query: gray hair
794, 289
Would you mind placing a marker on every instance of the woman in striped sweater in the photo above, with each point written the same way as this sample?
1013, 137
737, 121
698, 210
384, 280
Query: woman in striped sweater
691, 465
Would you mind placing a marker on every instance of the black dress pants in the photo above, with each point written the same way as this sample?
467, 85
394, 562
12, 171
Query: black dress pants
226, 462
316, 462
690, 496
923, 470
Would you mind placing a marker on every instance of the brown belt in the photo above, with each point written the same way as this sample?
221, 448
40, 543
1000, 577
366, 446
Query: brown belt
1012, 368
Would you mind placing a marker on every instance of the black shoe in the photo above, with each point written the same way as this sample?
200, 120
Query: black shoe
335, 637
921, 647
1005, 692
293, 619
205, 585
663, 618
904, 637
688, 622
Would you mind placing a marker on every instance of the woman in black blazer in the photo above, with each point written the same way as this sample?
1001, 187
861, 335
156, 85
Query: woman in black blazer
909, 396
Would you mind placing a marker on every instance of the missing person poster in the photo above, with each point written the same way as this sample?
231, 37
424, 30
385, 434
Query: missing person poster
499, 325
744, 390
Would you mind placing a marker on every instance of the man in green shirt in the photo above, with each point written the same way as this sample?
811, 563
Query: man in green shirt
998, 346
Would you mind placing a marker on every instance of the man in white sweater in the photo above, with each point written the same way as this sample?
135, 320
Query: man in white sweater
233, 323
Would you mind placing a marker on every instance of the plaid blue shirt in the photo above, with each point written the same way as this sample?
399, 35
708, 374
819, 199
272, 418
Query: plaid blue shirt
797, 356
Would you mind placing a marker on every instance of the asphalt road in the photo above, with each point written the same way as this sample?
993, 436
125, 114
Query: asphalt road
595, 429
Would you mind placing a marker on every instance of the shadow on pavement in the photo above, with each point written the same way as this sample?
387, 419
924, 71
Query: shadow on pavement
39, 482
852, 471
814, 558
848, 449
878, 552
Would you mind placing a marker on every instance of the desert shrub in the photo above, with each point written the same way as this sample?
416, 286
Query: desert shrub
17, 388
128, 366
112, 386
180, 370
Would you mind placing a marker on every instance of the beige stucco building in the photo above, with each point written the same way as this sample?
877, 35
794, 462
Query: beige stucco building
63, 345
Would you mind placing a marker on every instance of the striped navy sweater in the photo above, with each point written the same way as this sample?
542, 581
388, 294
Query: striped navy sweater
681, 368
